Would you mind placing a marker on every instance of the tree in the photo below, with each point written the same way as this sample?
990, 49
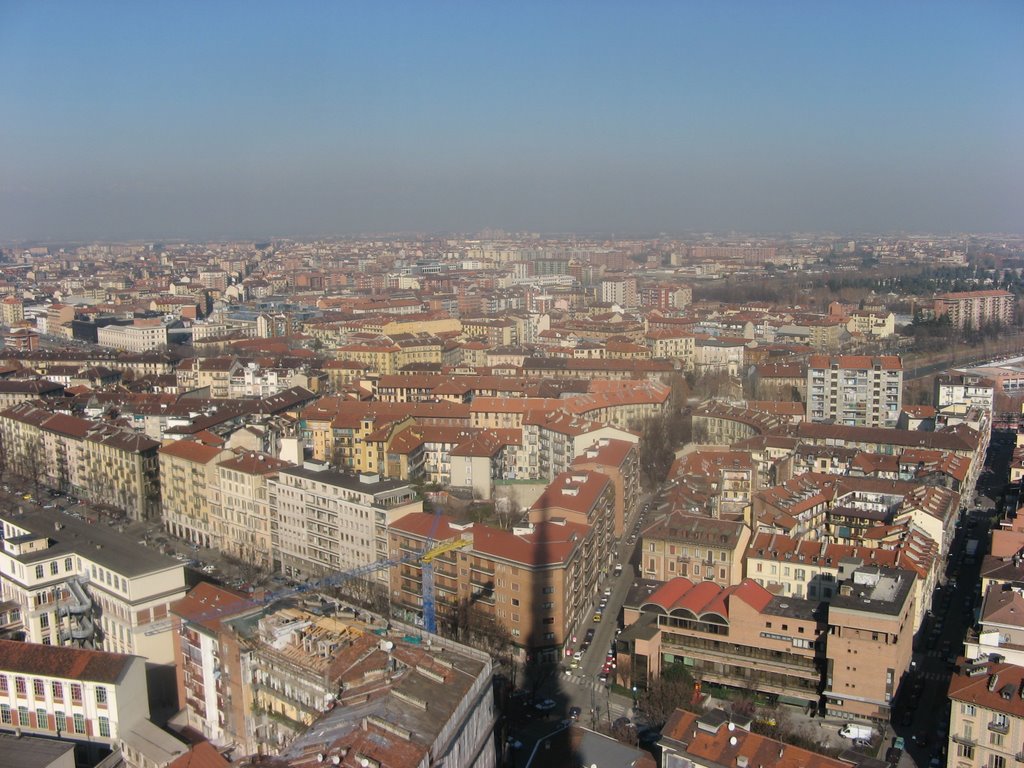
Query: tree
672, 690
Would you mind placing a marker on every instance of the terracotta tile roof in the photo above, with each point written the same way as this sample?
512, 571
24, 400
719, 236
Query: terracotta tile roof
63, 661
190, 450
202, 755
1007, 679
209, 605
856, 362
724, 746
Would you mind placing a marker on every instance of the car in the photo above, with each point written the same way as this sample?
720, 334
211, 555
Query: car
578, 656
618, 569
574, 713
862, 743
590, 635
608, 592
584, 645
545, 706
597, 618
603, 677
899, 743
514, 743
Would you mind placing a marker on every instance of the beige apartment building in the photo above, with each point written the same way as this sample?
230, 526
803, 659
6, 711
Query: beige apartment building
325, 521
88, 696
855, 390
188, 474
91, 459
240, 514
88, 585
141, 337
696, 547
620, 461
986, 719
975, 309
12, 311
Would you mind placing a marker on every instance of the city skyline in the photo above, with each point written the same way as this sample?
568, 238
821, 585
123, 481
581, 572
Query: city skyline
128, 122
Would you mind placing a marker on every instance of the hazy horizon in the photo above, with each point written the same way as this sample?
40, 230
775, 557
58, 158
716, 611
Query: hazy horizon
220, 121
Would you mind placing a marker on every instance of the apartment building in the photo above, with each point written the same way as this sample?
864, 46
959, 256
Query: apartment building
963, 389
214, 691
855, 390
326, 521
739, 636
263, 676
587, 498
188, 473
533, 580
869, 644
240, 511
141, 337
12, 311
986, 718
975, 309
90, 459
552, 440
813, 569
71, 693
620, 461
88, 585
398, 702
695, 547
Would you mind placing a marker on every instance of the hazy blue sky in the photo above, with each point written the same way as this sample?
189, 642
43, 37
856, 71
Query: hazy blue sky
211, 119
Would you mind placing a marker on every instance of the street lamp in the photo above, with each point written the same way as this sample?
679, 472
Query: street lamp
634, 699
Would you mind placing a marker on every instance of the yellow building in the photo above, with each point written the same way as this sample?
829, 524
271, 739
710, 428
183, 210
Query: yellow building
188, 473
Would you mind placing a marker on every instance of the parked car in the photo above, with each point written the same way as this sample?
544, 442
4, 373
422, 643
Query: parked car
545, 706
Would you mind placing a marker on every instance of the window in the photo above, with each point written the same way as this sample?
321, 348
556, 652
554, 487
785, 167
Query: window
42, 721
23, 718
101, 695
54, 568
104, 727
76, 693
39, 571
57, 689
995, 739
44, 621
5, 714
996, 761
3, 683
19, 686
515, 601
62, 722
79, 723
38, 688
68, 564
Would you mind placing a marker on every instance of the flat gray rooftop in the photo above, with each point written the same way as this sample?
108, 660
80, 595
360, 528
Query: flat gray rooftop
99, 542
30, 752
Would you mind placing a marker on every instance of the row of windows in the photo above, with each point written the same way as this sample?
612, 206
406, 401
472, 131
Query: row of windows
56, 689
24, 720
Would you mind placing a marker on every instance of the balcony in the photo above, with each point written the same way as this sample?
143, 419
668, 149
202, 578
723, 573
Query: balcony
999, 727
965, 740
